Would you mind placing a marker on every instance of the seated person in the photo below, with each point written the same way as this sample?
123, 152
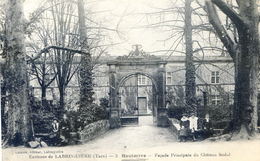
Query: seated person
54, 132
193, 125
184, 124
65, 129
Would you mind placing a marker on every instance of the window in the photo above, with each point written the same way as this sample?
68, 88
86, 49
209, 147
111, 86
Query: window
215, 99
141, 80
215, 77
169, 78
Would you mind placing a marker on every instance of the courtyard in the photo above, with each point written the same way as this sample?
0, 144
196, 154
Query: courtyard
143, 142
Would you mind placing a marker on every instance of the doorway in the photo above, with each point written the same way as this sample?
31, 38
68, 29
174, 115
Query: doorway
142, 105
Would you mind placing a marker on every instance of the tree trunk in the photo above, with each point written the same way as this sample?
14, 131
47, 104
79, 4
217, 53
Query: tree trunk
3, 102
44, 100
190, 90
43, 93
62, 102
86, 89
245, 109
19, 130
245, 55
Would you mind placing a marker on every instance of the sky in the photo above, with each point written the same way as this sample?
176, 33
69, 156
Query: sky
129, 18
131, 25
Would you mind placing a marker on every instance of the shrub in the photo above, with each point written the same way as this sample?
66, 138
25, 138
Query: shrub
99, 112
219, 116
176, 112
94, 113
42, 121
73, 116
103, 102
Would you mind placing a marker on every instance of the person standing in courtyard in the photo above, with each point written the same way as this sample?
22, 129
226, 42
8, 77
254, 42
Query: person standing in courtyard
193, 125
184, 124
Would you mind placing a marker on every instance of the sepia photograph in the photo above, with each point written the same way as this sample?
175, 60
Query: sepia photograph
129, 80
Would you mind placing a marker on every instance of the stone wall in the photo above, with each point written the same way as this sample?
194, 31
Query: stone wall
174, 126
94, 130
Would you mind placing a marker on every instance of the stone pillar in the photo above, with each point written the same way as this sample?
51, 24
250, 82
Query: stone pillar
114, 110
155, 104
161, 109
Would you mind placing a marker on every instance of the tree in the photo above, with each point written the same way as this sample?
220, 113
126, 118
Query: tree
130, 95
42, 69
244, 51
58, 36
189, 31
190, 85
86, 86
19, 130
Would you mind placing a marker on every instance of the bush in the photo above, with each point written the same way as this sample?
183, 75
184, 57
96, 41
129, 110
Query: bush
219, 116
41, 117
94, 113
103, 102
220, 124
73, 116
42, 121
100, 113
176, 112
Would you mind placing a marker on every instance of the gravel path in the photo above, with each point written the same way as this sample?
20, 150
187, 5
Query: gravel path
143, 142
133, 137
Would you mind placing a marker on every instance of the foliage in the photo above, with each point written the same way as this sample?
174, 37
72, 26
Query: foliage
99, 113
42, 121
219, 116
35, 104
4, 123
93, 113
41, 118
103, 102
175, 95
73, 116
176, 112
190, 84
86, 85
151, 100
130, 99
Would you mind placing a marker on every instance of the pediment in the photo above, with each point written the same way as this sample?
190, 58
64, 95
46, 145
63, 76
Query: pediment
137, 54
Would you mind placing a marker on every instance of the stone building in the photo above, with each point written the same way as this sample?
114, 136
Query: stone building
214, 81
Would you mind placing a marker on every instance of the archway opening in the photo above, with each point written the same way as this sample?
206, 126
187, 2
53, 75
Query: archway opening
137, 99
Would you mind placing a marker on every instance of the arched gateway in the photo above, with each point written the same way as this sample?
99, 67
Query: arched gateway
132, 65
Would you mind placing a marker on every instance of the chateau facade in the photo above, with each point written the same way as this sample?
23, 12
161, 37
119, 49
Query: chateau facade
214, 76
